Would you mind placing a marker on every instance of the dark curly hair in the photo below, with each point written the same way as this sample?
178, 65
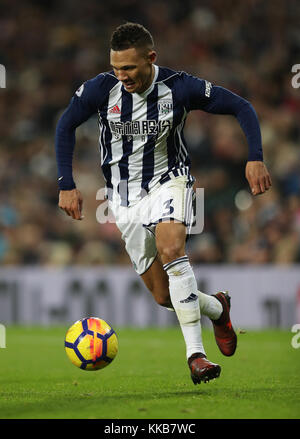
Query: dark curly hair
131, 35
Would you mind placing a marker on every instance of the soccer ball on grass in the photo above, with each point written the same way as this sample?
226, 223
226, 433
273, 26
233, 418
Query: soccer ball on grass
91, 343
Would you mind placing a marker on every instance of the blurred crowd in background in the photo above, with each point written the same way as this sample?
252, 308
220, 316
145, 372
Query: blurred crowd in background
49, 48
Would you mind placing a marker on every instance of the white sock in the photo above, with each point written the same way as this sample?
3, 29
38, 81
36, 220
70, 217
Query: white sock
210, 306
184, 297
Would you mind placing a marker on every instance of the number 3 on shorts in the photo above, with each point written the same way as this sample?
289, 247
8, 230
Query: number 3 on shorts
168, 207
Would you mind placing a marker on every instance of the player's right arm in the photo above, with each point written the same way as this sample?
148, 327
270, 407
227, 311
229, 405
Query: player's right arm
83, 105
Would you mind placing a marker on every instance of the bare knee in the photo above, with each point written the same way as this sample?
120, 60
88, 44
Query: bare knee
170, 241
163, 300
161, 295
157, 282
170, 252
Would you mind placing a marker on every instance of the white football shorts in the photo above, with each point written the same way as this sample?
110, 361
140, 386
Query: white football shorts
172, 200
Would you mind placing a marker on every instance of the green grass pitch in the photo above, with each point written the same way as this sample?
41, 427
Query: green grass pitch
149, 378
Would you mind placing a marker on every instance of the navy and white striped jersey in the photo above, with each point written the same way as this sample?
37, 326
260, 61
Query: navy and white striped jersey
141, 135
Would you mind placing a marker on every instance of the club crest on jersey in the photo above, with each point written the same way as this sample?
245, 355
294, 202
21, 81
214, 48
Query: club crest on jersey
165, 106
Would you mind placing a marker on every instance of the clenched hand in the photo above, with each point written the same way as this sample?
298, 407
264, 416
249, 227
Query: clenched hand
258, 177
71, 202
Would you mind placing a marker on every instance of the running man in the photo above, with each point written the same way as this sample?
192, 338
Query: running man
142, 110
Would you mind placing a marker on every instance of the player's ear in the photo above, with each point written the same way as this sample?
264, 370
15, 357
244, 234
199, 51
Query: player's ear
152, 56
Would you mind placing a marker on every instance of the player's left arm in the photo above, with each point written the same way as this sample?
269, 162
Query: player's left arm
219, 100
223, 101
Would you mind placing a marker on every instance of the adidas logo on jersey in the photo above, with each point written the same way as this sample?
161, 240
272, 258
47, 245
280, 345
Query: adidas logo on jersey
115, 110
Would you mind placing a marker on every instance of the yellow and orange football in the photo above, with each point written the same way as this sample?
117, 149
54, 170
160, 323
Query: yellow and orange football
91, 343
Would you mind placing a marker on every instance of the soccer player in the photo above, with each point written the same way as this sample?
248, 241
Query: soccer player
142, 110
